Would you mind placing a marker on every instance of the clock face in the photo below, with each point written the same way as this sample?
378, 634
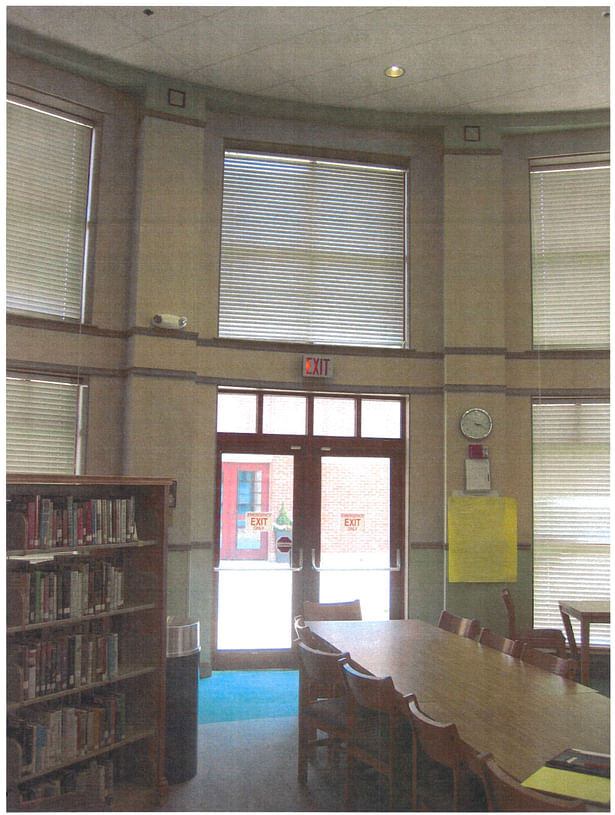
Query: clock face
476, 423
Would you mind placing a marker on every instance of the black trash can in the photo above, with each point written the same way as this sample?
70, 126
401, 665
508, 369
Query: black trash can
182, 677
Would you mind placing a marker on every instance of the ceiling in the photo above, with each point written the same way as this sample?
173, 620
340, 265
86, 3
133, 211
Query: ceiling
458, 60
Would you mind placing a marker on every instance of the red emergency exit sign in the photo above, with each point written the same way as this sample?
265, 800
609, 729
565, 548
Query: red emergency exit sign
318, 366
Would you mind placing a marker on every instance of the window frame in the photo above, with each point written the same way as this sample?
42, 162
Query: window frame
47, 103
81, 410
553, 163
565, 548
328, 155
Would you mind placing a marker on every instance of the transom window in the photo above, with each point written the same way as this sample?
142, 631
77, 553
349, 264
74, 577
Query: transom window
313, 415
312, 251
570, 222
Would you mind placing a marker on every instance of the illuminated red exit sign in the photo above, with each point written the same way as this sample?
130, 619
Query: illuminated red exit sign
321, 367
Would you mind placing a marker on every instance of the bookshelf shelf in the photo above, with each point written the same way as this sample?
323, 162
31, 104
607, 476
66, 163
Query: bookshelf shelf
86, 641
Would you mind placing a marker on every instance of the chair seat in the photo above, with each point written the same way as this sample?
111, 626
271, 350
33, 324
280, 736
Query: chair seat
371, 736
436, 788
539, 633
331, 712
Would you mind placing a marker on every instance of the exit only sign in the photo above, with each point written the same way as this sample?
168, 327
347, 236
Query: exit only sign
321, 367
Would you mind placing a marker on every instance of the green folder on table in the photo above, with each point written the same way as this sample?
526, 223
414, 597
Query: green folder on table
571, 784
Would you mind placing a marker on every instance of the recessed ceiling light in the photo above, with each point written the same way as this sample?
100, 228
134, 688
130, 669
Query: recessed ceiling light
394, 71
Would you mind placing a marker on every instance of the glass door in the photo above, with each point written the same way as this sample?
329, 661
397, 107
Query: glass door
255, 569
356, 560
311, 504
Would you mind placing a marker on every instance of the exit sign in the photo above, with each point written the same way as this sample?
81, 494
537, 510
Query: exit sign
321, 367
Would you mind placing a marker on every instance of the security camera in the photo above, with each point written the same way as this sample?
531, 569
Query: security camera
169, 321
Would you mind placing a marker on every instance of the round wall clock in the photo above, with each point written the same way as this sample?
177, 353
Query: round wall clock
476, 424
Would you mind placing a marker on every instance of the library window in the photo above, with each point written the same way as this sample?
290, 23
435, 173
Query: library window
313, 251
570, 229
571, 455
44, 424
49, 160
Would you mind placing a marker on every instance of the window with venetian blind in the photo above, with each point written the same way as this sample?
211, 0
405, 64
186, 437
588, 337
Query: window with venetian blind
571, 462
49, 158
570, 227
312, 251
43, 424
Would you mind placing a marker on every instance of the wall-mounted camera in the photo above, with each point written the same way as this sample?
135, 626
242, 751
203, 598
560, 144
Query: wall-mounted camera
169, 321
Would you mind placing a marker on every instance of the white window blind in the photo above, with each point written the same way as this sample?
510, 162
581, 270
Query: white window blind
570, 226
43, 418
312, 251
47, 176
571, 454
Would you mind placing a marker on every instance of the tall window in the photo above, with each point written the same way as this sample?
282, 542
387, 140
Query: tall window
571, 509
43, 424
570, 252
48, 176
312, 251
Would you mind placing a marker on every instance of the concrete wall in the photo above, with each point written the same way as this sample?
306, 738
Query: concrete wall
153, 394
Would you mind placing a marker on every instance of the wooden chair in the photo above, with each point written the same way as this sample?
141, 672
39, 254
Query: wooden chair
500, 643
332, 611
459, 625
549, 639
379, 735
505, 794
322, 703
305, 634
549, 662
572, 643
441, 777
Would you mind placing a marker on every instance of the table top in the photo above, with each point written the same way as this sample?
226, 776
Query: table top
522, 714
588, 608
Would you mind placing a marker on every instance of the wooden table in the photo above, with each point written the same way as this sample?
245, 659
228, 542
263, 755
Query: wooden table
520, 713
588, 612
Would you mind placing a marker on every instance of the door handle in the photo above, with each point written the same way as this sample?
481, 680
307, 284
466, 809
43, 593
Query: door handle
396, 568
264, 569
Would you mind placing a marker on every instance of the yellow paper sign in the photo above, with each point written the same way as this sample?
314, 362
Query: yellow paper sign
482, 539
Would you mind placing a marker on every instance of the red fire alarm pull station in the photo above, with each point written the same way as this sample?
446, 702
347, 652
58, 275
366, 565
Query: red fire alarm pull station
321, 367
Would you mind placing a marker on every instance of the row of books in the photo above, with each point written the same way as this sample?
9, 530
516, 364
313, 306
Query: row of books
36, 522
93, 779
57, 592
39, 667
47, 737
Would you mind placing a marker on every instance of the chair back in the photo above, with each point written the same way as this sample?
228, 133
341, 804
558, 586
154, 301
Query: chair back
320, 674
549, 662
439, 740
500, 643
332, 611
376, 693
510, 612
459, 625
505, 794
572, 643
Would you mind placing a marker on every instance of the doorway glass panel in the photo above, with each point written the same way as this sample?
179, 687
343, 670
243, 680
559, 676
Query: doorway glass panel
355, 533
255, 579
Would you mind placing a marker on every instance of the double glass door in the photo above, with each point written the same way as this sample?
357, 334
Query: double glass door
303, 518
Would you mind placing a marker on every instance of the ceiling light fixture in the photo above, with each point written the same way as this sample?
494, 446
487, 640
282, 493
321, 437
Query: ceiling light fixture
394, 71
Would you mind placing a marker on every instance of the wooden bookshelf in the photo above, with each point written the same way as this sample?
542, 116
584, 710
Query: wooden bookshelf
86, 641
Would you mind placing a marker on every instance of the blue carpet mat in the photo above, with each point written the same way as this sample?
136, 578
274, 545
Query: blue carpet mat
228, 696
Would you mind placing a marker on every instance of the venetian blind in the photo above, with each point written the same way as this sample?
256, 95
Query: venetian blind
47, 177
571, 454
312, 251
42, 425
570, 252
